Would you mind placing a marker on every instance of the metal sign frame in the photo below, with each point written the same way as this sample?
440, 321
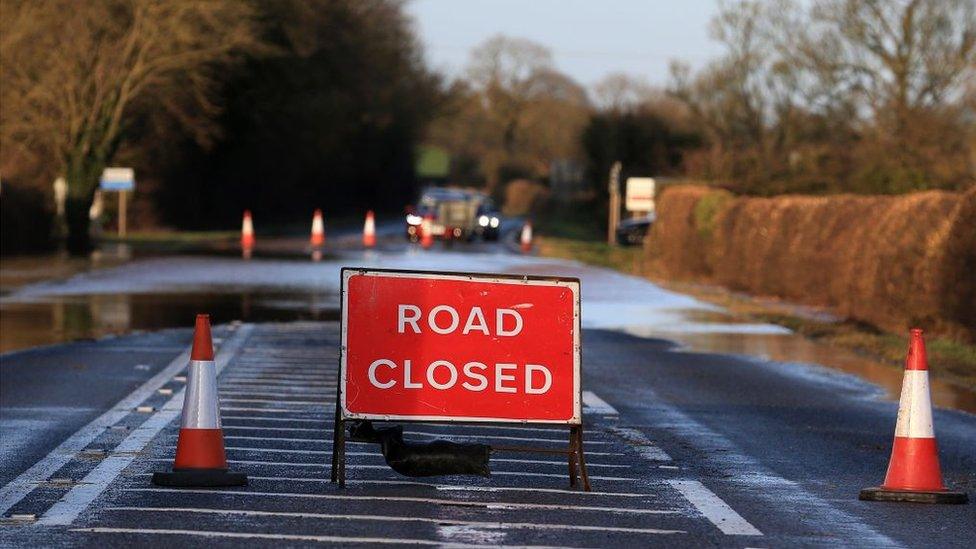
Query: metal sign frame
574, 452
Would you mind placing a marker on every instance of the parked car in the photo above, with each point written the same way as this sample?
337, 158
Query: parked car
631, 232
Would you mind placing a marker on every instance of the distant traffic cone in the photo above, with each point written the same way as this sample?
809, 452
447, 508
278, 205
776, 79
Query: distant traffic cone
369, 230
913, 471
318, 230
247, 231
427, 232
200, 457
526, 237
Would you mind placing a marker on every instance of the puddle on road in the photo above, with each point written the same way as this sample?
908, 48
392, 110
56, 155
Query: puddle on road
85, 317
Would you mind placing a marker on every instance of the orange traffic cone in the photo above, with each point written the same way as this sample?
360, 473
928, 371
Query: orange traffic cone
913, 471
526, 237
247, 231
427, 232
200, 457
369, 230
318, 230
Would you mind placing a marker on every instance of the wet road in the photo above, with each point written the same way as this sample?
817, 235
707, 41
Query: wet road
686, 448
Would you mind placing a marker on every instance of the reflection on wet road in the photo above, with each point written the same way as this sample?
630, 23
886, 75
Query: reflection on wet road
93, 316
162, 292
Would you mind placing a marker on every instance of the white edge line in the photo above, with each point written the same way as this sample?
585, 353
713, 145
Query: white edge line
17, 489
714, 509
78, 499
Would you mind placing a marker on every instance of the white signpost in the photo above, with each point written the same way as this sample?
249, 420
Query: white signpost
640, 194
121, 180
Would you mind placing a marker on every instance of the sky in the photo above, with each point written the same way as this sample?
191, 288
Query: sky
588, 38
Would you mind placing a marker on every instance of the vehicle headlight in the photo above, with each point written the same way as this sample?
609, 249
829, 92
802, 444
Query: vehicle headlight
483, 221
414, 219
494, 223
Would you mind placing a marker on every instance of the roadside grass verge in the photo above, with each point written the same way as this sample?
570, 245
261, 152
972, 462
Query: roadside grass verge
175, 237
624, 259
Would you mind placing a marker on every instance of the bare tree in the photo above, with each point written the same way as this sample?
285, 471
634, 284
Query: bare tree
620, 92
838, 94
527, 112
76, 75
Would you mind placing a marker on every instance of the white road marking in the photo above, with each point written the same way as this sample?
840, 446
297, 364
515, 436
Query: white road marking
466, 488
17, 489
596, 405
385, 467
95, 482
752, 477
243, 368
278, 377
394, 518
272, 410
273, 391
272, 463
714, 509
236, 377
278, 450
468, 427
559, 463
299, 429
254, 535
434, 501
279, 401
502, 437
319, 441
231, 396
259, 418
257, 383
446, 436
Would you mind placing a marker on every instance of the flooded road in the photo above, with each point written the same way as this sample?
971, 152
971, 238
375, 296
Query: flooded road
681, 398
119, 294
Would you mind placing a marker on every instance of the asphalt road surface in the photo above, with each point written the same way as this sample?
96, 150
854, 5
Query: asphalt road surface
684, 448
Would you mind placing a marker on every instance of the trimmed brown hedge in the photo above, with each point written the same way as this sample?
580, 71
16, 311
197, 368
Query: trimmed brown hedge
892, 261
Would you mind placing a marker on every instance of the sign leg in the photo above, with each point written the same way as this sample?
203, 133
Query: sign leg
340, 448
335, 450
572, 457
582, 459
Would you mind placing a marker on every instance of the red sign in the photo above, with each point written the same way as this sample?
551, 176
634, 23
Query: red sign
463, 347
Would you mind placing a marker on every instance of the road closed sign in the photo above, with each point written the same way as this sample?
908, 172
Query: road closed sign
430, 346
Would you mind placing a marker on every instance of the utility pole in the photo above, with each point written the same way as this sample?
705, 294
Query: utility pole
614, 217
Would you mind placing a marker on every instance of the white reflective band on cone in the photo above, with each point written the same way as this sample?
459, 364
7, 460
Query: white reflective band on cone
526, 234
915, 406
201, 410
